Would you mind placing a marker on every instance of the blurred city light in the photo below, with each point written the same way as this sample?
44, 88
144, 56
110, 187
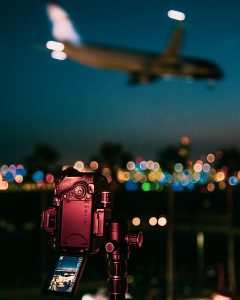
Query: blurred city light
200, 239
87, 297
162, 221
206, 168
3, 185
79, 165
18, 178
131, 165
178, 167
222, 185
49, 178
210, 187
94, 165
38, 176
216, 296
139, 174
136, 221
233, 180
220, 176
210, 158
197, 167
153, 221
185, 140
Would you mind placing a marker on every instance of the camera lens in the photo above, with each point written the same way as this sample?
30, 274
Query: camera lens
80, 191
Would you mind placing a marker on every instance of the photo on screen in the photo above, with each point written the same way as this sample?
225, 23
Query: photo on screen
65, 274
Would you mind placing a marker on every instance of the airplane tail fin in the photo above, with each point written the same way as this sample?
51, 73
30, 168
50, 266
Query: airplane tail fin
62, 26
174, 47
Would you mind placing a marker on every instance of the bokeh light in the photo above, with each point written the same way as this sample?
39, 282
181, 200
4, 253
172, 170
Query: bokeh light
131, 165
79, 165
136, 221
206, 168
210, 187
222, 185
145, 175
210, 158
38, 176
178, 167
18, 178
153, 221
220, 176
185, 140
49, 178
233, 180
3, 185
162, 221
94, 165
197, 167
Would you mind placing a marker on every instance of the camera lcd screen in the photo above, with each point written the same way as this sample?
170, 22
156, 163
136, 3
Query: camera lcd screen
65, 275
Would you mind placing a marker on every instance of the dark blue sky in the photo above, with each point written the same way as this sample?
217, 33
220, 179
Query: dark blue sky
76, 108
66, 262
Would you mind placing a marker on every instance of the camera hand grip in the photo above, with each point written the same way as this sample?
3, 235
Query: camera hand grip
48, 223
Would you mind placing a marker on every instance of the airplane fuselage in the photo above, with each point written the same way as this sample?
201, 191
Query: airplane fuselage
142, 66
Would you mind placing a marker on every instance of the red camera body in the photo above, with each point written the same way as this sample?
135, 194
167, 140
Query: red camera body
75, 221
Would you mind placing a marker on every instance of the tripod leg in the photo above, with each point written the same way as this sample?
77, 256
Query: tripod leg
117, 254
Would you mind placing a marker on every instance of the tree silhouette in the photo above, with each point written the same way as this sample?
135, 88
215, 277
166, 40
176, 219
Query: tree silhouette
44, 157
171, 155
112, 155
229, 160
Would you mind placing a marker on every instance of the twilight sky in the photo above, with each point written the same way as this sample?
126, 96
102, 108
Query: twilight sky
76, 108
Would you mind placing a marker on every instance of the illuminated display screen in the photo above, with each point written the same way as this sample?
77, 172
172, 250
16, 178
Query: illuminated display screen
65, 274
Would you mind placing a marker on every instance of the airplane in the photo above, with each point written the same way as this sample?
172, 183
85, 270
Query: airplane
143, 66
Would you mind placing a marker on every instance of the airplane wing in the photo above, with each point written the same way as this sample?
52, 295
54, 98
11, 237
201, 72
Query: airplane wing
173, 48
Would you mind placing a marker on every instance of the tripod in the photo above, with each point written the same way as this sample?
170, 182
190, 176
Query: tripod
118, 243
118, 250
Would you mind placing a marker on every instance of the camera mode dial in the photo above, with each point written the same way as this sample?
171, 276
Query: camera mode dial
80, 191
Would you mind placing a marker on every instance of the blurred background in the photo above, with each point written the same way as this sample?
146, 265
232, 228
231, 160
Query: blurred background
169, 148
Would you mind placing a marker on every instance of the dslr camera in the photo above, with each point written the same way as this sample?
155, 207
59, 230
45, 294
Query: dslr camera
79, 221
76, 225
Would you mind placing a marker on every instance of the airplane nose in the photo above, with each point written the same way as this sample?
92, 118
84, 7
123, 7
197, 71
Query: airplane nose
220, 73
217, 72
